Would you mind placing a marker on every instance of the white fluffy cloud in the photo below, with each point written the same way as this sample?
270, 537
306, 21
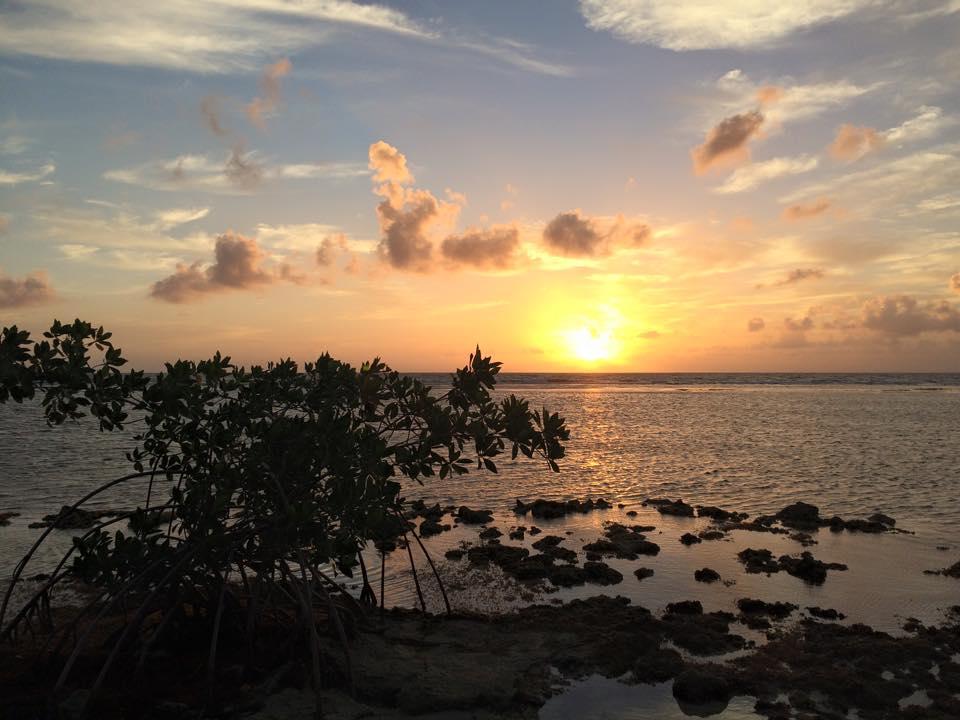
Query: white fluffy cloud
9, 177
706, 24
750, 176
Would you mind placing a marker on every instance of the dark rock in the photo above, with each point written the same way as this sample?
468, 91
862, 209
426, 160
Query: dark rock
808, 568
534, 530
666, 506
564, 554
758, 561
547, 541
631, 513
517, 533
805, 539
690, 539
701, 686
594, 555
74, 519
454, 554
711, 535
6, 516
825, 613
535, 567
431, 527
685, 607
504, 556
882, 519
777, 610
600, 573
643, 573
420, 509
702, 634
720, 514
474, 517
490, 533
706, 575
800, 515
567, 575
542, 508
657, 665
623, 542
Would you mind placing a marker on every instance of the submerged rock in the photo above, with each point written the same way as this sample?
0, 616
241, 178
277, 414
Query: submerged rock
474, 517
6, 516
776, 610
720, 514
808, 568
541, 508
706, 575
665, 506
690, 539
643, 573
825, 613
758, 561
74, 519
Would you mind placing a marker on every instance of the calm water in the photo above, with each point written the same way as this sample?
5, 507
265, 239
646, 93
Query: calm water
853, 445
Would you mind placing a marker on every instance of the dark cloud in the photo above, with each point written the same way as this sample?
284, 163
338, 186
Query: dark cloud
727, 142
799, 275
329, 248
575, 235
31, 289
903, 315
241, 170
802, 325
406, 229
491, 248
756, 324
210, 111
803, 212
269, 97
237, 265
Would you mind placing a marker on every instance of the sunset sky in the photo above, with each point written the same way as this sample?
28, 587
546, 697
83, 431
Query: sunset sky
601, 185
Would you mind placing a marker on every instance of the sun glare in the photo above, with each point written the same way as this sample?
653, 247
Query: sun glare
591, 345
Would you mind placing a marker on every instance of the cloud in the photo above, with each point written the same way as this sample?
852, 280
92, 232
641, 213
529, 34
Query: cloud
184, 35
269, 97
210, 112
408, 217
32, 289
750, 176
649, 335
330, 247
239, 173
929, 122
783, 100
955, 282
853, 142
388, 164
802, 325
4, 223
756, 324
15, 178
166, 219
904, 315
804, 212
726, 143
14, 144
703, 25
799, 275
237, 265
490, 248
573, 234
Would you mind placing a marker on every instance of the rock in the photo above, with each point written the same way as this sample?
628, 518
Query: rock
454, 554
474, 517
535, 567
600, 573
547, 541
685, 607
805, 539
74, 519
431, 527
534, 530
706, 575
690, 539
657, 665
6, 516
506, 557
702, 634
777, 610
882, 519
952, 571
548, 509
712, 535
643, 573
567, 575
758, 561
701, 686
808, 568
517, 533
623, 542
631, 513
825, 613
564, 554
800, 515
490, 533
666, 506
419, 508
720, 514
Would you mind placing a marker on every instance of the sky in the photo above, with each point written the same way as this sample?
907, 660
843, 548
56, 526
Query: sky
603, 185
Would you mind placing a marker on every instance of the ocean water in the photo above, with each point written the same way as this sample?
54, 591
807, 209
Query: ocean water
852, 444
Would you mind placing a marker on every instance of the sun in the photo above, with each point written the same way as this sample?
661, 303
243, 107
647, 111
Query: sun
591, 344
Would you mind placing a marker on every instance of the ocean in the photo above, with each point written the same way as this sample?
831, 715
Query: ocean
851, 444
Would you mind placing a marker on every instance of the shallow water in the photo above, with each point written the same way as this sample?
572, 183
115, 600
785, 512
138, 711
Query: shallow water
853, 445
